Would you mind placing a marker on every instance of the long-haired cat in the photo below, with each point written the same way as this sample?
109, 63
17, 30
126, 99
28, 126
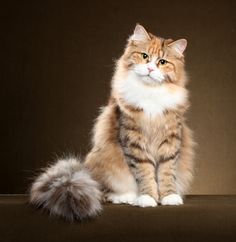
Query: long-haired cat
142, 151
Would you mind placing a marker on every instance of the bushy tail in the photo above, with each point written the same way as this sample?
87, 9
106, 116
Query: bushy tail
68, 190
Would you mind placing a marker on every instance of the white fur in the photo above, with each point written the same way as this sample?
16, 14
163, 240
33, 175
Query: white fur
145, 201
172, 199
131, 198
152, 99
128, 198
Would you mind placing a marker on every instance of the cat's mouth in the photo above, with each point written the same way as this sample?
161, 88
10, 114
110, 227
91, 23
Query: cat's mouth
151, 80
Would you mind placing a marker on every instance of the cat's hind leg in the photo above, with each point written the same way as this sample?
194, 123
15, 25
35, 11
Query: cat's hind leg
125, 198
143, 200
124, 190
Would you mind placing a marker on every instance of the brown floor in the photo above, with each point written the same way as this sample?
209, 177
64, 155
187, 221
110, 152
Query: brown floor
201, 218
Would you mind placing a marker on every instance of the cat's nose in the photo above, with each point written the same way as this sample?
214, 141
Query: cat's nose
150, 69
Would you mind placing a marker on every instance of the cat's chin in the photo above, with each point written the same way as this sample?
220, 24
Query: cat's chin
148, 80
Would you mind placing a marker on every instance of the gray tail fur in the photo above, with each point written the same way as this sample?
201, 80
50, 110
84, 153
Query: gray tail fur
68, 190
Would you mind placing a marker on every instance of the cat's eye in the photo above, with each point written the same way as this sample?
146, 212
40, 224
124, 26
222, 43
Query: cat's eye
162, 61
144, 55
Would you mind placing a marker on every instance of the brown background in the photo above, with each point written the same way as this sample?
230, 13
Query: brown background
57, 60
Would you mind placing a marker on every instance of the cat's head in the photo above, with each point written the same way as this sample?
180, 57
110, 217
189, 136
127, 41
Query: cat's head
154, 60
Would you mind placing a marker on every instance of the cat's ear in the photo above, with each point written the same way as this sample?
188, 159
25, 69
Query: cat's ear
179, 45
140, 34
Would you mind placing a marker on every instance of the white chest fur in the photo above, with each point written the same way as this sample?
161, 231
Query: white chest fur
152, 99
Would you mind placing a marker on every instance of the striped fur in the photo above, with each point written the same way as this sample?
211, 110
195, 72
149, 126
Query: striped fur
142, 149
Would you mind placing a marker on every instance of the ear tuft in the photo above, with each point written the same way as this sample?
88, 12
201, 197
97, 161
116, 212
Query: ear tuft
179, 45
140, 34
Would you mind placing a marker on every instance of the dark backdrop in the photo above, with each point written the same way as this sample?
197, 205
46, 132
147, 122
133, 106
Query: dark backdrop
57, 59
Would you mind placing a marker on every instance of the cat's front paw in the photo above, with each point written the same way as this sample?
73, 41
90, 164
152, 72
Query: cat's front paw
172, 199
145, 200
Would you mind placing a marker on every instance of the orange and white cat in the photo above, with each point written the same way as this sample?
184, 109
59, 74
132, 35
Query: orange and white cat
142, 150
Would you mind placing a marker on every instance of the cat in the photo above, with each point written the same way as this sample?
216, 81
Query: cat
142, 151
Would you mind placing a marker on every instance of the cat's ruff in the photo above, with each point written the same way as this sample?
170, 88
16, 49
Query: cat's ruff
153, 100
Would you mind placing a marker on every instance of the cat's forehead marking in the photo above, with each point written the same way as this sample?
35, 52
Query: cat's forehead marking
155, 47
